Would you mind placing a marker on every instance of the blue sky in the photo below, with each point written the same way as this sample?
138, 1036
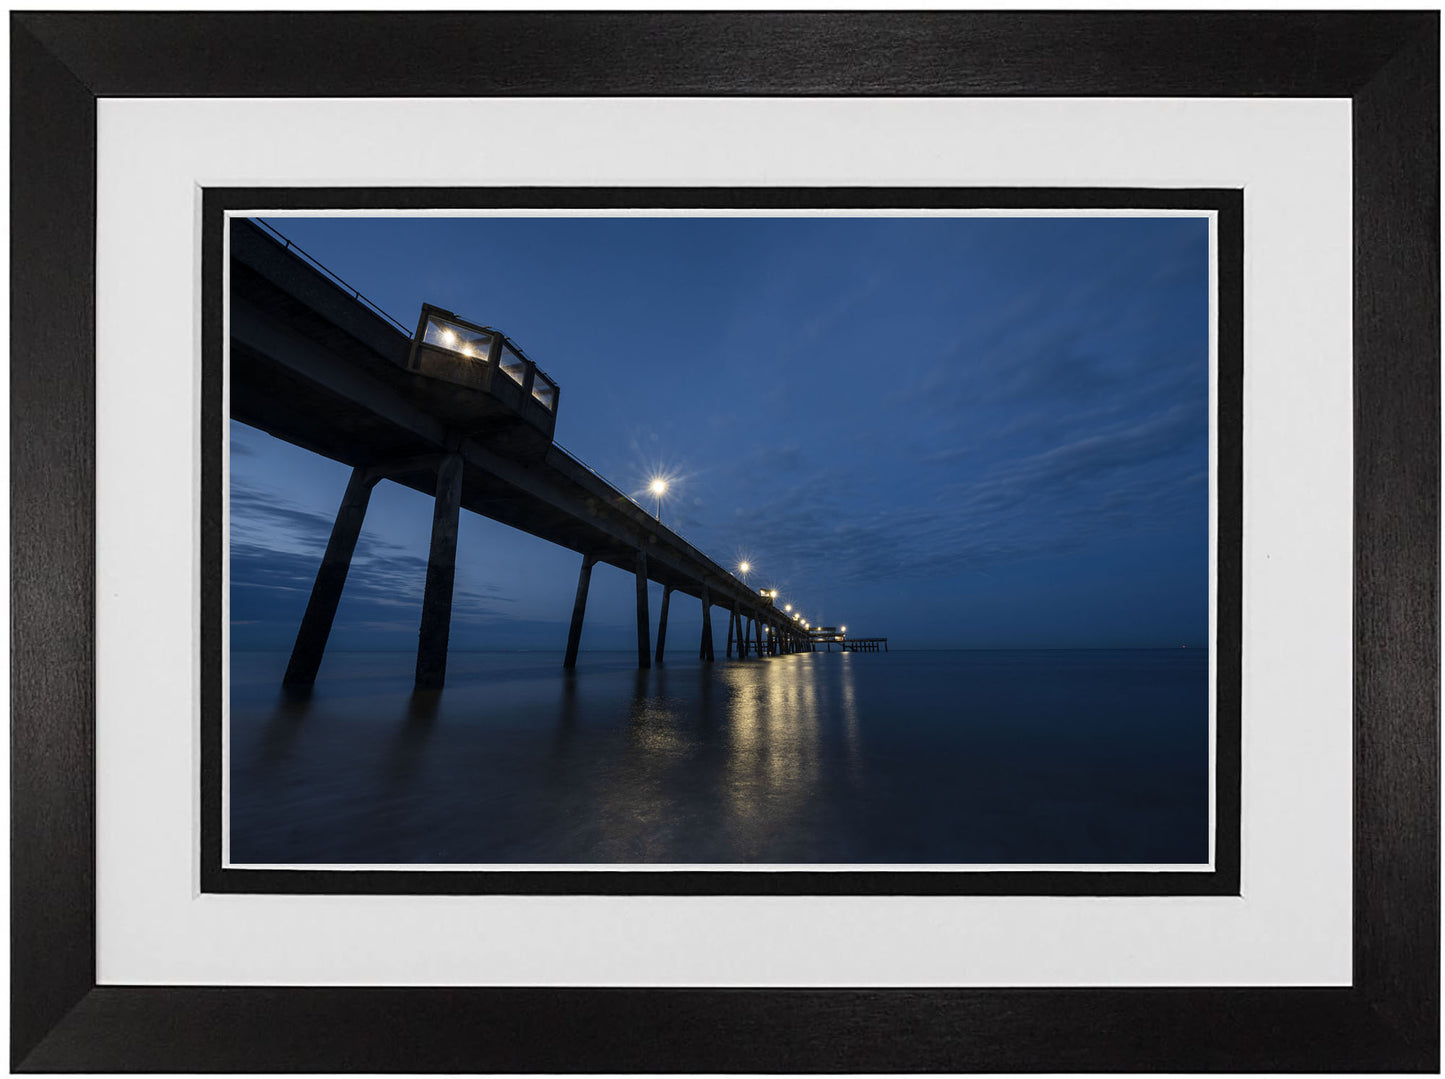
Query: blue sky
955, 432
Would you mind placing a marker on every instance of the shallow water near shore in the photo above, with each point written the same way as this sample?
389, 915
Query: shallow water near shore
965, 757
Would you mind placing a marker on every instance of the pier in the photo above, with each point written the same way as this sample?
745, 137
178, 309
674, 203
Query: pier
857, 644
828, 636
455, 411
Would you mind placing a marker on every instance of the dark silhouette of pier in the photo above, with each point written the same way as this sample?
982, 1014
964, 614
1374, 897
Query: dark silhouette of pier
456, 411
853, 644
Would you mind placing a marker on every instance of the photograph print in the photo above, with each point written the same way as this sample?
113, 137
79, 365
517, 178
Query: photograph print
727, 539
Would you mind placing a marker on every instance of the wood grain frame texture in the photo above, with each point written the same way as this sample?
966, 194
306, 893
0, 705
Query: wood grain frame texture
1386, 63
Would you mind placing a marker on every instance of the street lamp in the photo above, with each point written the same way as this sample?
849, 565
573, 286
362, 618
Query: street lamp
743, 568
658, 488
787, 606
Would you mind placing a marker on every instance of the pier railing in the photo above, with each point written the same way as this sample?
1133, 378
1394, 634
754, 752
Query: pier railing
334, 277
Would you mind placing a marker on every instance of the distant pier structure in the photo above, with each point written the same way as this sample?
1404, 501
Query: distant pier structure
829, 636
455, 410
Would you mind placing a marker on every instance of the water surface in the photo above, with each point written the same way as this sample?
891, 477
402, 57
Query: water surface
1056, 757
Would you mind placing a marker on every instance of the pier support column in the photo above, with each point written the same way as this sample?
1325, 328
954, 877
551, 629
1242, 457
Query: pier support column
704, 650
644, 645
662, 622
732, 617
579, 610
441, 572
330, 579
758, 632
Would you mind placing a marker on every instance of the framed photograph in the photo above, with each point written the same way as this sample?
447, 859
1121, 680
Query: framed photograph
984, 616
656, 770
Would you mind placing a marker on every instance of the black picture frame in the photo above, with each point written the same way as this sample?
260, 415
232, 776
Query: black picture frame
1386, 64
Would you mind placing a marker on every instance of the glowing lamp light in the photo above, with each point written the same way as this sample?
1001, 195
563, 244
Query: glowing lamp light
787, 606
657, 487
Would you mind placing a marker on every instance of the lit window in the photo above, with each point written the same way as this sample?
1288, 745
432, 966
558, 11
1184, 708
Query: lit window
448, 335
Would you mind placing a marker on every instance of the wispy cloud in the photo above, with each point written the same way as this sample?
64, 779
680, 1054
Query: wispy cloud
1129, 476
276, 549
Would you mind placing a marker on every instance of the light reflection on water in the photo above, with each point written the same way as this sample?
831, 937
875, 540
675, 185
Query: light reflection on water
905, 758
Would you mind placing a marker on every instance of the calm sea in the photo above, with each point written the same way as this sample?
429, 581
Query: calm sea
904, 757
